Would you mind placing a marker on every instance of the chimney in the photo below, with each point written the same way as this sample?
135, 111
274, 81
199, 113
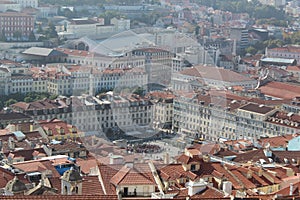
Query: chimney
291, 189
167, 158
1, 145
227, 188
11, 143
111, 159
195, 187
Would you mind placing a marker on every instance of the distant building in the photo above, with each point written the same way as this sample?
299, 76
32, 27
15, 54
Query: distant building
120, 24
158, 65
91, 114
210, 76
162, 109
287, 52
5, 76
294, 144
27, 3
57, 130
16, 25
8, 5
231, 117
240, 35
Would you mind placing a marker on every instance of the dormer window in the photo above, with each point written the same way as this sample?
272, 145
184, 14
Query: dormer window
193, 167
74, 129
62, 131
49, 132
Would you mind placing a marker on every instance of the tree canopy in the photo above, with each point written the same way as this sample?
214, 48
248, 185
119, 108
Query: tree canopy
254, 8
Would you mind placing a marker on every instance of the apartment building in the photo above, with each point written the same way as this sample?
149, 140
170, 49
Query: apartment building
162, 109
60, 83
102, 61
56, 129
39, 84
21, 84
87, 79
16, 24
82, 27
158, 64
81, 78
91, 114
240, 35
5, 76
110, 79
214, 116
287, 52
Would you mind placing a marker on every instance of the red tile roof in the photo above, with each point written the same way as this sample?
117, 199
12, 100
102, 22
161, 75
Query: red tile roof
280, 90
277, 141
261, 109
37, 166
253, 156
293, 68
187, 159
286, 190
55, 125
174, 172
61, 197
214, 73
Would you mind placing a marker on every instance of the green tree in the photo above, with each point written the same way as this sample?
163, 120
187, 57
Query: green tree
10, 102
2, 36
251, 50
53, 96
17, 35
139, 91
51, 32
28, 99
31, 37
40, 29
108, 15
197, 30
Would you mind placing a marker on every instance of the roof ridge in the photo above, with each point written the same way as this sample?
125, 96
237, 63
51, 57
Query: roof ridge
122, 173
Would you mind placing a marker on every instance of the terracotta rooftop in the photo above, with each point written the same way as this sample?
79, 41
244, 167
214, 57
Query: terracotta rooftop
286, 190
151, 50
57, 126
61, 197
37, 166
188, 160
174, 172
26, 154
13, 116
293, 49
113, 175
37, 105
280, 90
73, 52
253, 156
285, 119
214, 73
286, 157
293, 68
256, 108
277, 141
86, 164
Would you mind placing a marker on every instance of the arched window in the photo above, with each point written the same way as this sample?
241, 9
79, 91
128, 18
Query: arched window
66, 190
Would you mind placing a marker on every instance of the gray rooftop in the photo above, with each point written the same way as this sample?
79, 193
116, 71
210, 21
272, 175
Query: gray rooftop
278, 60
45, 52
